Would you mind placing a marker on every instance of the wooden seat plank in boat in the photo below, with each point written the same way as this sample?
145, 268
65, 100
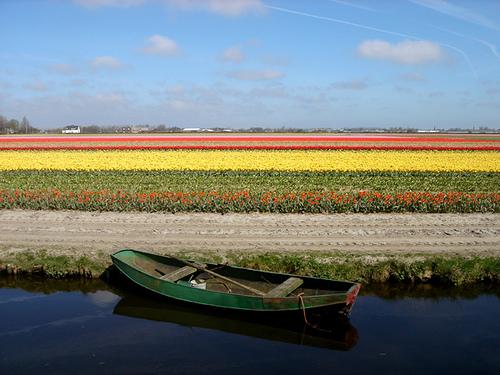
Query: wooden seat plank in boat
179, 273
285, 288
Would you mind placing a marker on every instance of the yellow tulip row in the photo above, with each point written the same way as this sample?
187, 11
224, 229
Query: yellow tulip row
488, 161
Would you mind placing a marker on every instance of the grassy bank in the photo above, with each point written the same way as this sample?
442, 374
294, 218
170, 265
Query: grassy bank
457, 270
53, 266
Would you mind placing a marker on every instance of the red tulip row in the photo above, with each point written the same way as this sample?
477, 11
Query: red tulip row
252, 147
240, 138
245, 201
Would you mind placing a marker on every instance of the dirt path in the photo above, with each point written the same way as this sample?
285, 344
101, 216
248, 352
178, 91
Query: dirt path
75, 233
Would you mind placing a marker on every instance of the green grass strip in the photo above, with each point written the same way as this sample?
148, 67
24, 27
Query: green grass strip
53, 266
452, 270
256, 182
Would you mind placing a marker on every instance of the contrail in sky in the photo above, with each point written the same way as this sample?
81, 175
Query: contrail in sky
336, 20
458, 12
352, 5
485, 43
371, 28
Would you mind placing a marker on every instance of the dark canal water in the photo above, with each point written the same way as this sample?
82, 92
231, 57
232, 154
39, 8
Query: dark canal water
93, 327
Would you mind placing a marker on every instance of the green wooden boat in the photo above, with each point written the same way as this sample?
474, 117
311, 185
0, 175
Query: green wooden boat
228, 287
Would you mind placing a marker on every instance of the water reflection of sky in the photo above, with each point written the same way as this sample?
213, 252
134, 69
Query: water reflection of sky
437, 335
103, 298
77, 332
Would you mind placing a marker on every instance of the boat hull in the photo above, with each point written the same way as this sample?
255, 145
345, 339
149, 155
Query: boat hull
341, 301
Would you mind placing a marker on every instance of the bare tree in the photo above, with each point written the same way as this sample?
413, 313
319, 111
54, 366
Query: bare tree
13, 126
25, 125
3, 124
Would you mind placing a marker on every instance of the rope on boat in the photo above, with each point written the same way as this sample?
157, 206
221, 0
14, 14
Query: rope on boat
303, 307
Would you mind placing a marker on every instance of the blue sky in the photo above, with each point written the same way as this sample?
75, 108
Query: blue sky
246, 63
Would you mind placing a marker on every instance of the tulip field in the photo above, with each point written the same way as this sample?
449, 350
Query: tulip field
251, 173
256, 160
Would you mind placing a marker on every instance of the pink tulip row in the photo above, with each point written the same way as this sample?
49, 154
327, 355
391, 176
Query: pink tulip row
253, 147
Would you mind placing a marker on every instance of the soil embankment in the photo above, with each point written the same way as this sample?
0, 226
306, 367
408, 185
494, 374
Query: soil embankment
83, 233
370, 237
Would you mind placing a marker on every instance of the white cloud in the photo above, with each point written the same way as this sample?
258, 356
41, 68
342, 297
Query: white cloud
176, 89
491, 104
225, 7
368, 27
412, 77
407, 52
279, 91
233, 54
353, 5
77, 108
350, 85
66, 69
106, 62
275, 60
5, 85
255, 75
110, 98
491, 87
38, 86
102, 3
179, 105
493, 91
78, 82
160, 45
404, 90
435, 94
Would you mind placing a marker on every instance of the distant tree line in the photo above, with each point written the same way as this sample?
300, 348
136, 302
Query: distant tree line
98, 129
14, 126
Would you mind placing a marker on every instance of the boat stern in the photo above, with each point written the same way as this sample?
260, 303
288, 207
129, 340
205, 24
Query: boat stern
350, 299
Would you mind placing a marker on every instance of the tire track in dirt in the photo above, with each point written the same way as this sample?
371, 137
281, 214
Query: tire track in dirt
87, 233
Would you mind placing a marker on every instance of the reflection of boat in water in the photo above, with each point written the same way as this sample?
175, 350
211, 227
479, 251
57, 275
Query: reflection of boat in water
338, 335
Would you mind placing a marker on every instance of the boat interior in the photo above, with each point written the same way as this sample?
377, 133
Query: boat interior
228, 279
